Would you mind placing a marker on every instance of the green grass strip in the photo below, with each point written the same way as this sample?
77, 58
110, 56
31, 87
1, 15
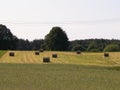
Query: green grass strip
2, 52
58, 77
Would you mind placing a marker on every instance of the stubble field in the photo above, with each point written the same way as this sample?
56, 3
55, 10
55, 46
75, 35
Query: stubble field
63, 58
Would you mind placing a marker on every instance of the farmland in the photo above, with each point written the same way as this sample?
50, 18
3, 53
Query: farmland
86, 71
2, 53
63, 58
58, 77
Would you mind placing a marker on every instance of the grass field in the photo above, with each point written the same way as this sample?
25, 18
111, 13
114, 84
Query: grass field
63, 58
58, 77
88, 71
2, 53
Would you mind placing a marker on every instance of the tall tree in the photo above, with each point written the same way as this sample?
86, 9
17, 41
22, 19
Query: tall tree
56, 40
7, 39
29, 45
23, 44
37, 44
112, 48
92, 45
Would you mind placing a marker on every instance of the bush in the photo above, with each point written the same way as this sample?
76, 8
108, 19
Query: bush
112, 48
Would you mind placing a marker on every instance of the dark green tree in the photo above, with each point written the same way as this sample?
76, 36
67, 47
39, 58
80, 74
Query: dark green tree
37, 44
78, 47
7, 39
29, 45
112, 48
92, 46
56, 40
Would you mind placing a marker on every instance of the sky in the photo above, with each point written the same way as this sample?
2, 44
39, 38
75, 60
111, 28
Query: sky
80, 19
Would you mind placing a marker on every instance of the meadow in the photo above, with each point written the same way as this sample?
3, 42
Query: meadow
87, 71
58, 77
2, 53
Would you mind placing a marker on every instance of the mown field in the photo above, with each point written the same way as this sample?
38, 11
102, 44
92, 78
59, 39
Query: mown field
63, 58
88, 71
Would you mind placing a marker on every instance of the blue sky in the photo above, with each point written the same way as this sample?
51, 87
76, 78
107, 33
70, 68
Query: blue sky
81, 19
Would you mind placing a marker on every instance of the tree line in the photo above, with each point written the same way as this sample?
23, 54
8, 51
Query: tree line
56, 40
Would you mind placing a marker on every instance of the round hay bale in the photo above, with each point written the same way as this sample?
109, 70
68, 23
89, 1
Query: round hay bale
41, 50
37, 53
78, 52
12, 54
54, 55
106, 54
46, 59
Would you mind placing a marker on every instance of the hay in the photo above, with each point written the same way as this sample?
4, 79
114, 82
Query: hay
106, 54
37, 53
54, 55
41, 50
78, 52
46, 59
12, 54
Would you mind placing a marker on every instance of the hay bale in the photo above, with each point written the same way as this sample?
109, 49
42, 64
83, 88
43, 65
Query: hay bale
54, 55
41, 50
78, 52
46, 59
12, 54
106, 54
37, 53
